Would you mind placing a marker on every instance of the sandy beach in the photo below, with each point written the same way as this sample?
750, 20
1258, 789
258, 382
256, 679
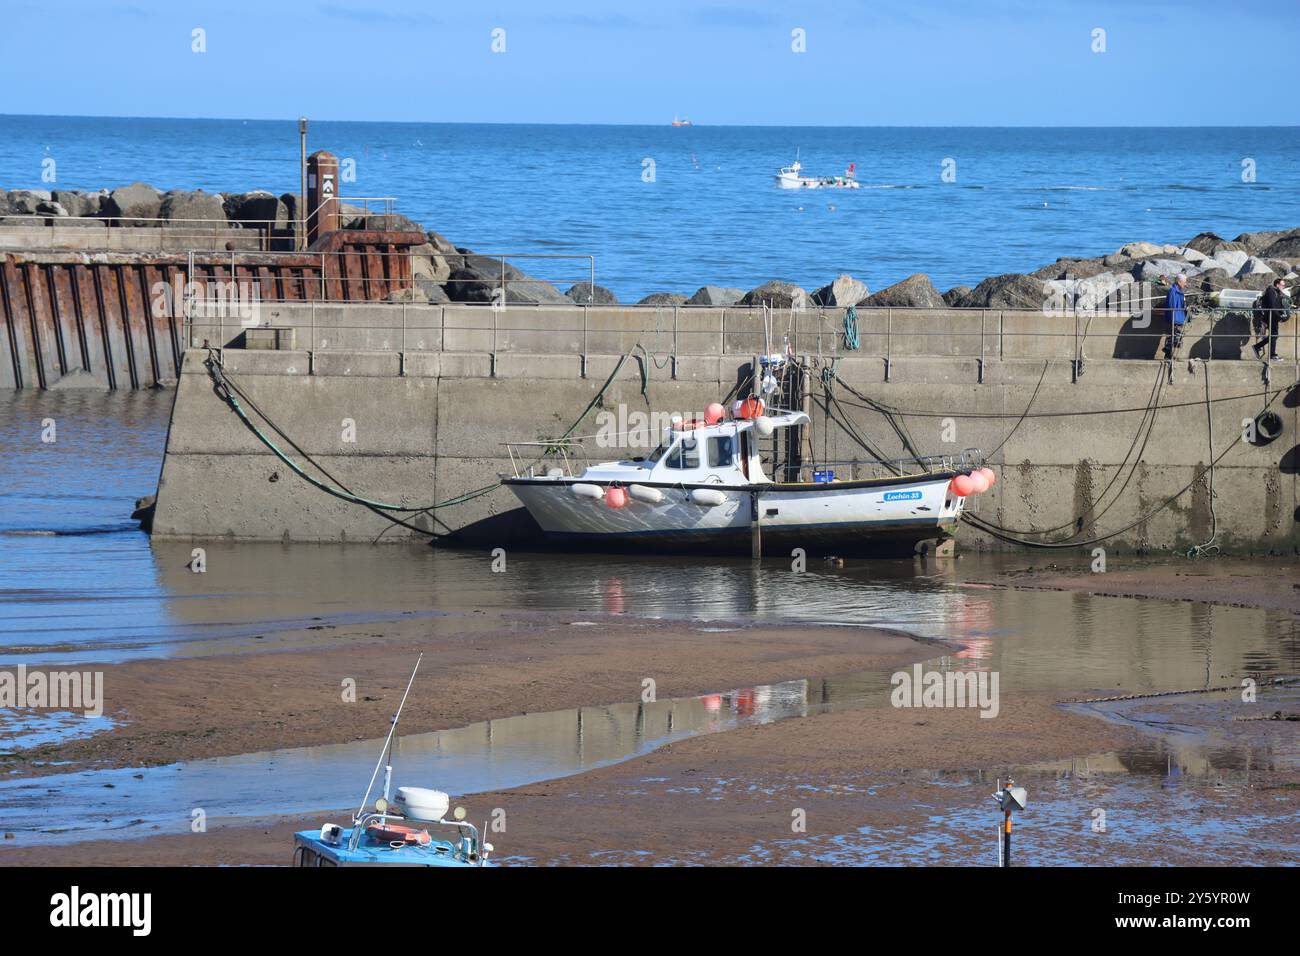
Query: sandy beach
873, 779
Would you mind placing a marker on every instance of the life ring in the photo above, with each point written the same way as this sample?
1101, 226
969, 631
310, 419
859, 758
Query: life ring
396, 833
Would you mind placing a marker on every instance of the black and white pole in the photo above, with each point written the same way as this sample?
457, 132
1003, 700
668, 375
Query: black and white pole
1009, 799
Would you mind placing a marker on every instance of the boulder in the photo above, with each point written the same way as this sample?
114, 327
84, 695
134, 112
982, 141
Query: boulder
51, 208
1254, 266
1139, 250
77, 203
1285, 247
469, 283
716, 295
1205, 242
914, 292
434, 293
1256, 242
290, 201
777, 294
441, 244
1069, 267
1212, 279
584, 293
1257, 281
956, 296
414, 295
842, 293
136, 201
427, 263
193, 209
663, 299
258, 207
1230, 260
1108, 291
23, 202
395, 222
1150, 270
1010, 291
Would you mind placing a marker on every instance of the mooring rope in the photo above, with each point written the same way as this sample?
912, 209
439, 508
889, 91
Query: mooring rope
229, 391
1267, 682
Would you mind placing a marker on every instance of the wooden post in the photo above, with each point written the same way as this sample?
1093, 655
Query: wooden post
755, 527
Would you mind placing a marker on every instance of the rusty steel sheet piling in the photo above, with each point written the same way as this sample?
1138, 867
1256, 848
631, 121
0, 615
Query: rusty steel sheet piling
117, 320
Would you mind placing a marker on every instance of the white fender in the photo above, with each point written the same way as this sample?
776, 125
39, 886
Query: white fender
709, 497
651, 496
763, 425
584, 490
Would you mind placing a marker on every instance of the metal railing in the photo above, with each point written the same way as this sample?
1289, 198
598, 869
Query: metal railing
181, 234
897, 333
186, 234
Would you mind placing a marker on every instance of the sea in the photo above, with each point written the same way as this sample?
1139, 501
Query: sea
669, 209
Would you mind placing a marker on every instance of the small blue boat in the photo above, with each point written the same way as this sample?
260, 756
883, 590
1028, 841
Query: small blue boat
397, 833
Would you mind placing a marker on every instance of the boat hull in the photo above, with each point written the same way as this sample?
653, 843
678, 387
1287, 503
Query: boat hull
885, 517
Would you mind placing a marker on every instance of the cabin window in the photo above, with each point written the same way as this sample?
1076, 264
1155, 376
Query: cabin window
722, 452
686, 454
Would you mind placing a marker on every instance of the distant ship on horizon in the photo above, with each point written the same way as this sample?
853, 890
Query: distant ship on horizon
682, 122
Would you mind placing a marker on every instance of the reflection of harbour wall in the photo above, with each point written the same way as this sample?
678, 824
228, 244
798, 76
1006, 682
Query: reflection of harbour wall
432, 401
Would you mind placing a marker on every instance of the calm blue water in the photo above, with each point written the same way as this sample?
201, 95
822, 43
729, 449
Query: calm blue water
1022, 197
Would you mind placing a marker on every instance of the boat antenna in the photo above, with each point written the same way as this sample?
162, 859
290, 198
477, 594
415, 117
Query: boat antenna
389, 740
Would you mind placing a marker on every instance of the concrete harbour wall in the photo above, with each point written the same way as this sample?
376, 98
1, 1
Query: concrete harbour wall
428, 425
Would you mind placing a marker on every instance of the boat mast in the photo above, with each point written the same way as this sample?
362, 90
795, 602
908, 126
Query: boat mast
388, 742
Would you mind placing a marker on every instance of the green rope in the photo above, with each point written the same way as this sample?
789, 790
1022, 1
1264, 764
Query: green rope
851, 328
228, 390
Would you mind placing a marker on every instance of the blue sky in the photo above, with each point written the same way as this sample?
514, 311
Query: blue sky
984, 63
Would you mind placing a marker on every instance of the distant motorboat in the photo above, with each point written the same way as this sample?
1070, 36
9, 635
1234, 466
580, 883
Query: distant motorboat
791, 177
682, 122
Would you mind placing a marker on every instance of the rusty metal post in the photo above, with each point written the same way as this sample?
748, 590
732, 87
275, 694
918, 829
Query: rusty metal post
322, 194
300, 227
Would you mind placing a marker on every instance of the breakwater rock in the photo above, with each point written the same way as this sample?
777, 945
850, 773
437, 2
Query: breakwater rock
444, 272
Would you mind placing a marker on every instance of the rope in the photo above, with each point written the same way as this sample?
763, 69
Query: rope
991, 530
230, 392
1211, 546
1145, 428
851, 328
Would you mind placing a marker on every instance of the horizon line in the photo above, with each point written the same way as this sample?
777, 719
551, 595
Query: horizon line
664, 125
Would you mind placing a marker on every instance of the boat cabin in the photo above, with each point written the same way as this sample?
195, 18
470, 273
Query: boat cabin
693, 453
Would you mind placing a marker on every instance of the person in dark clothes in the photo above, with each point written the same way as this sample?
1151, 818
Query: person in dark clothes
1176, 307
1272, 310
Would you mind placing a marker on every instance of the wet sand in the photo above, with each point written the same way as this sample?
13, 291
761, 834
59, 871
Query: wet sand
474, 669
704, 799
1234, 583
876, 784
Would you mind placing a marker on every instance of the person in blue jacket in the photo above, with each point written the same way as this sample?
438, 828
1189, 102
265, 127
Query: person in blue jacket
1176, 307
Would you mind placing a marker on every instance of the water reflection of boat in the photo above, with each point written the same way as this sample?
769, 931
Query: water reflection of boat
704, 489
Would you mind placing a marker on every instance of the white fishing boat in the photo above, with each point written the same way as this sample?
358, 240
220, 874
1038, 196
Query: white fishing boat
705, 489
792, 177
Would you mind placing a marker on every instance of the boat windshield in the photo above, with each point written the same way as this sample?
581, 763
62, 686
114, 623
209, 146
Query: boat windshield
659, 452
